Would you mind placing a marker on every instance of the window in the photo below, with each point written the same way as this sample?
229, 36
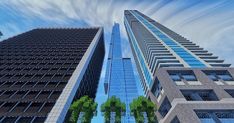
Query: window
175, 120
157, 89
225, 77
9, 119
213, 77
175, 77
199, 95
189, 77
25, 120
230, 92
214, 116
204, 117
165, 107
220, 77
40, 119
183, 77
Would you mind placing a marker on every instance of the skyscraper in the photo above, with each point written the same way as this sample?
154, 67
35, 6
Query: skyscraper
187, 83
42, 71
0, 34
119, 74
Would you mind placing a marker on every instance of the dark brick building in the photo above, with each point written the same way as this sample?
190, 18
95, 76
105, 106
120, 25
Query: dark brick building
43, 70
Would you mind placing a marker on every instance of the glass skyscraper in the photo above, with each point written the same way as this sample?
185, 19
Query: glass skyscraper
187, 83
120, 79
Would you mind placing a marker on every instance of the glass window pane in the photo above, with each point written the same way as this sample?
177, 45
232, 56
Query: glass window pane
213, 77
175, 77
225, 77
189, 77
207, 120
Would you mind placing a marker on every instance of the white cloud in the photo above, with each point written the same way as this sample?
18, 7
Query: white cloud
204, 23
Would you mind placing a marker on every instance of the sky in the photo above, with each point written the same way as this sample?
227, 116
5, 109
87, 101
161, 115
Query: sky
209, 23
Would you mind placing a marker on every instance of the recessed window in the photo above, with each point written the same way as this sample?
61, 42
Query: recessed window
175, 77
43, 95
157, 89
31, 95
189, 77
165, 107
34, 107
40, 119
184, 77
6, 107
230, 92
9, 119
220, 77
199, 95
25, 120
47, 107
20, 107
175, 120
7, 94
215, 116
225, 77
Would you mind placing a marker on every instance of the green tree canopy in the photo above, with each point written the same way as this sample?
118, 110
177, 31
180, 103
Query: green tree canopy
85, 105
142, 104
113, 104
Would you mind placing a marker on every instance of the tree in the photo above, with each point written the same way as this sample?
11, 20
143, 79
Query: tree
85, 105
140, 105
113, 104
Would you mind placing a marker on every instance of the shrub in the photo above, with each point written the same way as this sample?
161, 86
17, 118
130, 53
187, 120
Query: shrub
113, 104
85, 105
142, 104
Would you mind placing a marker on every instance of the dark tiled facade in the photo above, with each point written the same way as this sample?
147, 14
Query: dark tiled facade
36, 66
